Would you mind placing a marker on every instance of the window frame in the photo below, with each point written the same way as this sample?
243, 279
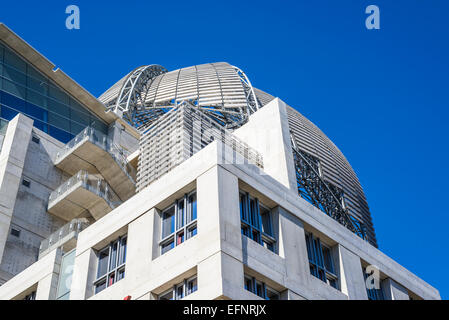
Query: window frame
254, 282
112, 272
184, 286
255, 228
181, 229
317, 264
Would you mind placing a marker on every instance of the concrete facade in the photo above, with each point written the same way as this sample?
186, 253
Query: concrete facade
210, 258
219, 255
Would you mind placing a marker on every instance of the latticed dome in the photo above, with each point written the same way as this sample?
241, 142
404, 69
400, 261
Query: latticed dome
225, 93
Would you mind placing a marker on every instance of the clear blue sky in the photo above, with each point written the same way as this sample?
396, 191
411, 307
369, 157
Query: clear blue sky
380, 95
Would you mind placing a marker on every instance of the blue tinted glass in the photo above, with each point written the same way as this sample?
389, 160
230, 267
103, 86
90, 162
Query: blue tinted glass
7, 113
13, 102
192, 200
41, 125
60, 134
37, 112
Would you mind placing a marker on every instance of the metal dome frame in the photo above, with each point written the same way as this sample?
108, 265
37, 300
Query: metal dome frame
131, 102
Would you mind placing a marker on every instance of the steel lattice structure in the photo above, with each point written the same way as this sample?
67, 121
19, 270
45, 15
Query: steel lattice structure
220, 90
322, 194
226, 95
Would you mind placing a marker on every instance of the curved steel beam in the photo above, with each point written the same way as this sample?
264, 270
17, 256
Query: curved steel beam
131, 98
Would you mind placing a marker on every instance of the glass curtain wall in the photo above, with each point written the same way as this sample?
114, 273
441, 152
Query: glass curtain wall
24, 89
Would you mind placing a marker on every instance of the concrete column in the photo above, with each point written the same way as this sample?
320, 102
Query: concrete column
292, 247
47, 287
351, 275
12, 159
267, 131
219, 222
84, 274
393, 290
140, 249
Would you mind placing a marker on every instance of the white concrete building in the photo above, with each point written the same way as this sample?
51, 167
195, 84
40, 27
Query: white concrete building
188, 184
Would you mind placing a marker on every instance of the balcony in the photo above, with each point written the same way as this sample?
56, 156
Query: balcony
65, 236
94, 152
82, 192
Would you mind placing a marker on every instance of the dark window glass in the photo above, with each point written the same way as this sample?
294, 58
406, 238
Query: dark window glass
179, 292
328, 264
121, 275
13, 102
259, 289
14, 89
76, 128
14, 61
111, 266
181, 213
36, 99
193, 209
166, 296
266, 220
58, 94
192, 286
31, 296
113, 261
272, 294
123, 251
256, 224
41, 126
8, 113
178, 222
15, 233
320, 261
103, 262
167, 247
37, 82
80, 118
243, 208
100, 286
248, 284
14, 75
36, 112
168, 222
59, 134
59, 121
192, 232
58, 108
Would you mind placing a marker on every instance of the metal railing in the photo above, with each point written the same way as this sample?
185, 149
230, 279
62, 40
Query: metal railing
76, 225
90, 182
101, 140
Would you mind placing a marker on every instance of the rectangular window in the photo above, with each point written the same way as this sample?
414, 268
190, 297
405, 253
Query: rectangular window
260, 289
179, 222
26, 183
35, 139
15, 233
320, 261
31, 296
111, 264
180, 290
256, 221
